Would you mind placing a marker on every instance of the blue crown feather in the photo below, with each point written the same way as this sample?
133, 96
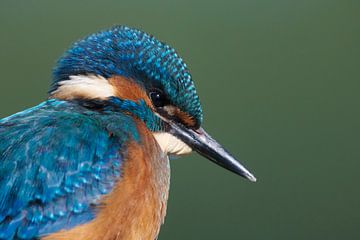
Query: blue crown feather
134, 54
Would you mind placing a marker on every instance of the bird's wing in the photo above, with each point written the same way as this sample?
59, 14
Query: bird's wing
56, 161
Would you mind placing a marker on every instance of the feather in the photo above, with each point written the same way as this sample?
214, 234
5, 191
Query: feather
56, 161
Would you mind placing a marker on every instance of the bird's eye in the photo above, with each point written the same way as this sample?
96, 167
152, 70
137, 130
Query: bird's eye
157, 98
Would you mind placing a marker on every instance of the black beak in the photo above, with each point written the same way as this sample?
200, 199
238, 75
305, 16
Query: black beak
206, 146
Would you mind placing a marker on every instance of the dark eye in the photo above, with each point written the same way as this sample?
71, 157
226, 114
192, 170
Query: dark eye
157, 98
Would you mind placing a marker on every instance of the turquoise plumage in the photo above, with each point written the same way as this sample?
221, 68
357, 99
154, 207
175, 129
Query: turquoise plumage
57, 160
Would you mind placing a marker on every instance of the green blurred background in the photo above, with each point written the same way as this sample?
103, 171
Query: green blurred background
279, 84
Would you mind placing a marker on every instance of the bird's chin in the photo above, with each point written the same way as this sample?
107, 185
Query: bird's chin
171, 145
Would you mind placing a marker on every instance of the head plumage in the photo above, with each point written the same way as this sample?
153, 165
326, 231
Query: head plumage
128, 52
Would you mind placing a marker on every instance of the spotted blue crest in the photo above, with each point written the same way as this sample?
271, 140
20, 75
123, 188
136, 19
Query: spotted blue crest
131, 53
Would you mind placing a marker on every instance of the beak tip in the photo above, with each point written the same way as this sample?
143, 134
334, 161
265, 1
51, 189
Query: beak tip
242, 171
251, 177
246, 174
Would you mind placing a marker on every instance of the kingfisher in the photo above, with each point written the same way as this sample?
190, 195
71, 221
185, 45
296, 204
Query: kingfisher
91, 162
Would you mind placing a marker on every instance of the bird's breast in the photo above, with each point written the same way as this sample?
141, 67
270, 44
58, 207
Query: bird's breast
136, 207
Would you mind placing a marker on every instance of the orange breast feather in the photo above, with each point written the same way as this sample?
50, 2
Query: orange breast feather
136, 207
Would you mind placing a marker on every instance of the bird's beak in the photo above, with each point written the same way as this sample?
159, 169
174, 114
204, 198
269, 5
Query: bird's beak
206, 146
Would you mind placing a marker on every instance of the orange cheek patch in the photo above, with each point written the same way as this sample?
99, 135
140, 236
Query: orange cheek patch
126, 88
185, 118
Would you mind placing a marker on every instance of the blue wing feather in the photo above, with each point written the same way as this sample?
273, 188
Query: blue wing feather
56, 161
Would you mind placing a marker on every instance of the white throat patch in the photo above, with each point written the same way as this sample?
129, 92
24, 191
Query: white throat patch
171, 145
82, 86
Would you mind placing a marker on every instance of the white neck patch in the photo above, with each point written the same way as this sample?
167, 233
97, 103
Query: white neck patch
171, 145
82, 86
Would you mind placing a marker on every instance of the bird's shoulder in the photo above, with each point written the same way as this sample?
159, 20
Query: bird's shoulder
56, 161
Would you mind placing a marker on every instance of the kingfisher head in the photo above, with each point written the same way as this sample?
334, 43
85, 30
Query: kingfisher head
128, 68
